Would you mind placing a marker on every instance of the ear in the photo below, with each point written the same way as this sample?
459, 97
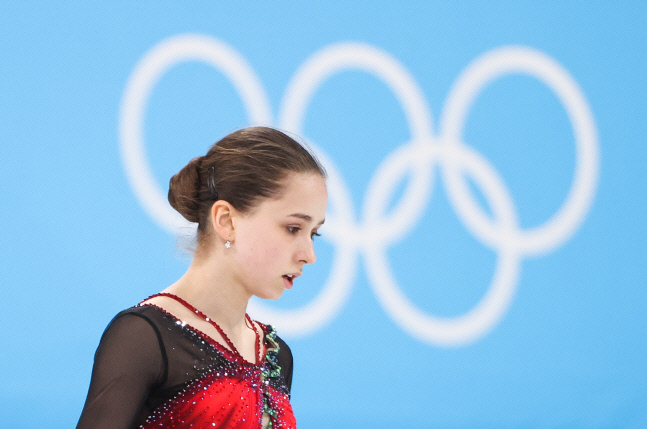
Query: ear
222, 216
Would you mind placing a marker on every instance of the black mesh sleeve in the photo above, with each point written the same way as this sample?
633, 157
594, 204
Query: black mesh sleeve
129, 361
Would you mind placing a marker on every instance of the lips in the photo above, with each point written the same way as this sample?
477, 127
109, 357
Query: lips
288, 279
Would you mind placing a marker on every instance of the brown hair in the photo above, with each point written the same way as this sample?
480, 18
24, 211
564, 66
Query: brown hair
242, 168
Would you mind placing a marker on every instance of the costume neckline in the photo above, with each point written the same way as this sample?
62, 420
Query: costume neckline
259, 357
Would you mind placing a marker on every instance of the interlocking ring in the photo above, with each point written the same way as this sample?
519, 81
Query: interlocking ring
424, 151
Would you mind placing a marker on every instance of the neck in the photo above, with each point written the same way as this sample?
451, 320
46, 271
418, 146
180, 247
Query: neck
209, 286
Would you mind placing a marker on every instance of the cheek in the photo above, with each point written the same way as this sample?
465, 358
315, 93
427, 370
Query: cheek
264, 255
261, 251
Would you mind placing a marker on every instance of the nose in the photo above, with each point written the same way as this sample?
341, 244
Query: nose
307, 253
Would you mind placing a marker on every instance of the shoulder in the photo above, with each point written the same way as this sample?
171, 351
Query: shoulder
283, 346
279, 354
271, 337
142, 311
136, 317
132, 346
137, 326
282, 350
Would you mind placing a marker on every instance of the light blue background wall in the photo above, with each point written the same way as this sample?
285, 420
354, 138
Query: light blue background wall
569, 348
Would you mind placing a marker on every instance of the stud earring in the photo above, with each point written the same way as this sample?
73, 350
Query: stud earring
227, 244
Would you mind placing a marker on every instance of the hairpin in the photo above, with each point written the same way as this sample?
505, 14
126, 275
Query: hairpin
211, 182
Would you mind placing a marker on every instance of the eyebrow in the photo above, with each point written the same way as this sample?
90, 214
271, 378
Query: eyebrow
306, 217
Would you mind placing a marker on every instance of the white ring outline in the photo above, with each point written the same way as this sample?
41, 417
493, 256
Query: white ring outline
489, 310
451, 152
222, 57
360, 56
145, 76
327, 304
515, 59
505, 236
346, 235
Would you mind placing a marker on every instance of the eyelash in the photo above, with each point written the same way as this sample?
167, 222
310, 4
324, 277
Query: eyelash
296, 229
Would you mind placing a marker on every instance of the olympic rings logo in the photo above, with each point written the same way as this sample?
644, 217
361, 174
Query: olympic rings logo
370, 235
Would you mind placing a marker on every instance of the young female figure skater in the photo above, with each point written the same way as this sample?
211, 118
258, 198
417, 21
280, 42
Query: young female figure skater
190, 356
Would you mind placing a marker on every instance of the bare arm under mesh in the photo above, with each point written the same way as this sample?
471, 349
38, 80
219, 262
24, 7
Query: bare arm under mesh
129, 361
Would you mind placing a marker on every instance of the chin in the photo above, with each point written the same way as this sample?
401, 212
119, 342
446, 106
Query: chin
271, 296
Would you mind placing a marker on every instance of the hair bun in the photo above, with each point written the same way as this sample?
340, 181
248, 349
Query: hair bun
183, 190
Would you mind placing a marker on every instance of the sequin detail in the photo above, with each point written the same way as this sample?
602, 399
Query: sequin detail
230, 393
234, 399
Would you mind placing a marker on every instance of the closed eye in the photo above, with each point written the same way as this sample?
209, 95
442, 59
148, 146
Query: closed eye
315, 234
